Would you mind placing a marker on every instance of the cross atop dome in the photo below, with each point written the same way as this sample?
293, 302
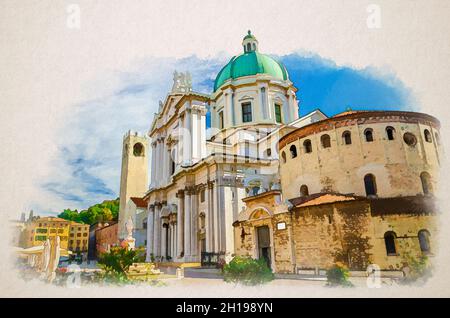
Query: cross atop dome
250, 43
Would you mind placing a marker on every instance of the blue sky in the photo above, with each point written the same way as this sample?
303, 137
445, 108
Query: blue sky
333, 89
87, 170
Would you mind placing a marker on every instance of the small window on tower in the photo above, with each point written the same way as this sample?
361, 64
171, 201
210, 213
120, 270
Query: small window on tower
368, 133
278, 113
247, 149
307, 146
427, 135
172, 161
138, 150
347, 137
221, 120
370, 185
389, 240
202, 220
326, 141
293, 151
246, 112
410, 139
424, 241
304, 190
390, 131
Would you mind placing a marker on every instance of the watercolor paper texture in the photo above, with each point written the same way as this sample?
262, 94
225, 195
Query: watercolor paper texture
78, 78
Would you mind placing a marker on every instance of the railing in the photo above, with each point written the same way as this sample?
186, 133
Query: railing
212, 259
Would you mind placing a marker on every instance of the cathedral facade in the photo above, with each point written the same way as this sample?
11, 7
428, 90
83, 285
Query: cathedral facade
218, 191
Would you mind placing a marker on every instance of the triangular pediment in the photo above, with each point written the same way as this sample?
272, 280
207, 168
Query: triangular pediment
246, 97
170, 104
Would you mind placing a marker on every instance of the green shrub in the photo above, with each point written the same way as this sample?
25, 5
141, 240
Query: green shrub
419, 268
338, 276
107, 278
140, 254
247, 271
118, 260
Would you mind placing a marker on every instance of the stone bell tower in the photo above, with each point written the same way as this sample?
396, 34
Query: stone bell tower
134, 175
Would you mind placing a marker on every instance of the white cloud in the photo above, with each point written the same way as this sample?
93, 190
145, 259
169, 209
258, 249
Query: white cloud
87, 167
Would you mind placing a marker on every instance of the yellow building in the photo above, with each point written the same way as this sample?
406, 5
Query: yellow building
78, 237
74, 236
39, 230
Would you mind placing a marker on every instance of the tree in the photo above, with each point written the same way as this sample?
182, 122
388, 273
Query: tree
117, 261
68, 214
108, 210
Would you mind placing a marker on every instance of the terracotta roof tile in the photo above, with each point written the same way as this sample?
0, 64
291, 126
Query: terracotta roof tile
52, 219
140, 202
416, 205
322, 198
348, 112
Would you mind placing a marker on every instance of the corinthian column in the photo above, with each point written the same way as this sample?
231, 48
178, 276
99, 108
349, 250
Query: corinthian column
209, 225
156, 228
161, 162
164, 226
187, 140
194, 221
158, 163
187, 224
180, 223
153, 168
227, 109
216, 215
150, 216
175, 239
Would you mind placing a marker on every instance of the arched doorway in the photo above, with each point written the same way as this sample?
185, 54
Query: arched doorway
263, 237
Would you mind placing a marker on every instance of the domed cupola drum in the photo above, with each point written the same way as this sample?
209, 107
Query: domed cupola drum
252, 89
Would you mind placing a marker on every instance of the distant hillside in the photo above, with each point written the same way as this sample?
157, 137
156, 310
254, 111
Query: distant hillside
108, 210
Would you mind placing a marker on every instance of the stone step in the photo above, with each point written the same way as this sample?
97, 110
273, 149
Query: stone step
143, 269
203, 272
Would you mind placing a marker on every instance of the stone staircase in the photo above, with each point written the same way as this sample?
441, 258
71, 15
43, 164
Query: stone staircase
143, 271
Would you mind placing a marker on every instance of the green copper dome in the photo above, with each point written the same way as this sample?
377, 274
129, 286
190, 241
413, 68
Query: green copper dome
250, 63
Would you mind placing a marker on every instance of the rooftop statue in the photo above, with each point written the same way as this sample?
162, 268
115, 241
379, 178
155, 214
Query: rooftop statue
182, 82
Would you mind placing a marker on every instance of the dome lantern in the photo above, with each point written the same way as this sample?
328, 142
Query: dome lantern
250, 43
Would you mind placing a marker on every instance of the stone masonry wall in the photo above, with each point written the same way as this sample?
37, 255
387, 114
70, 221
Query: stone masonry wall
347, 232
